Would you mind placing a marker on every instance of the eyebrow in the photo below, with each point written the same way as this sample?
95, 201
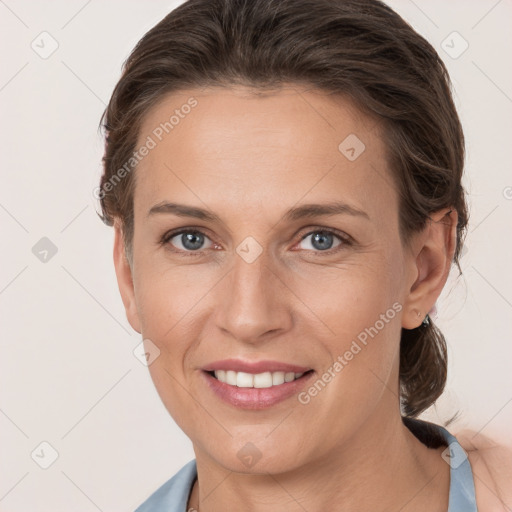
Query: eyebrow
293, 214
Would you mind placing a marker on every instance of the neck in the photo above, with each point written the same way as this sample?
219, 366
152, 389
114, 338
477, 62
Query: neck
382, 467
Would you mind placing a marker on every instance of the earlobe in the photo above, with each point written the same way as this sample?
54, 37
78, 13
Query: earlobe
434, 255
125, 279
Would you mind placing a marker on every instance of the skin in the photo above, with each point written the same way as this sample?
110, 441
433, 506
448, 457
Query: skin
249, 158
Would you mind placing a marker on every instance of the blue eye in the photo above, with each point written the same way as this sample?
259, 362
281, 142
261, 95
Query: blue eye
323, 240
190, 240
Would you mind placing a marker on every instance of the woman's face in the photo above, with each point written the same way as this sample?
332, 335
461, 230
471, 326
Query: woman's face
259, 277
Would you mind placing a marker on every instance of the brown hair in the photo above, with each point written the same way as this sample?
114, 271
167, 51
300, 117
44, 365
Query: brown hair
359, 48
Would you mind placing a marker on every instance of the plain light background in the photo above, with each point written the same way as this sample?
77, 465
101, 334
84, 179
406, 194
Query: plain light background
68, 373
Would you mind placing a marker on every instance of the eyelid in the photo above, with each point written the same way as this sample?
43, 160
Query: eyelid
321, 229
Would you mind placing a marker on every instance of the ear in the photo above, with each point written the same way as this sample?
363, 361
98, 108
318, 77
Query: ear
433, 251
124, 279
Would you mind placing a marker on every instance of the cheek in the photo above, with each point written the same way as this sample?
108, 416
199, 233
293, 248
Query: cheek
168, 294
349, 297
360, 310
361, 363
168, 301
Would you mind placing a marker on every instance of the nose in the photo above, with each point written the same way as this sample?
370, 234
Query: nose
253, 303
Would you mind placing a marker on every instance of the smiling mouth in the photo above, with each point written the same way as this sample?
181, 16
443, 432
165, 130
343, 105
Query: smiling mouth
255, 380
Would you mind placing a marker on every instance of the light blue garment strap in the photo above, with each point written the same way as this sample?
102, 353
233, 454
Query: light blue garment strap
173, 495
462, 486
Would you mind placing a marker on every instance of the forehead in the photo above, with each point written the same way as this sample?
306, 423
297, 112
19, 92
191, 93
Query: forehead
246, 148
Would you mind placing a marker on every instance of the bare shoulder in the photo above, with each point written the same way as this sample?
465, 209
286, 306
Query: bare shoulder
491, 463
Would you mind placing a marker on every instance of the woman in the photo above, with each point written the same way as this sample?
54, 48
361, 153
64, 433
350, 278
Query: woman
284, 179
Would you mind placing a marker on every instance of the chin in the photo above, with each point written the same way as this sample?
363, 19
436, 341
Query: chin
257, 456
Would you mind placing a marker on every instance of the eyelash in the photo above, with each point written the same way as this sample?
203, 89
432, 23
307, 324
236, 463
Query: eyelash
345, 240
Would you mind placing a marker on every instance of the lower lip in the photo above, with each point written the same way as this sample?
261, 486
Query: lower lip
255, 398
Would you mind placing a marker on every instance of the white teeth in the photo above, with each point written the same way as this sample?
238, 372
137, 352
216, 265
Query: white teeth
244, 380
230, 377
263, 380
277, 378
258, 380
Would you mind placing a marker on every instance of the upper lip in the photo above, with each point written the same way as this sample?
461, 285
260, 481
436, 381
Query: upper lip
238, 365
